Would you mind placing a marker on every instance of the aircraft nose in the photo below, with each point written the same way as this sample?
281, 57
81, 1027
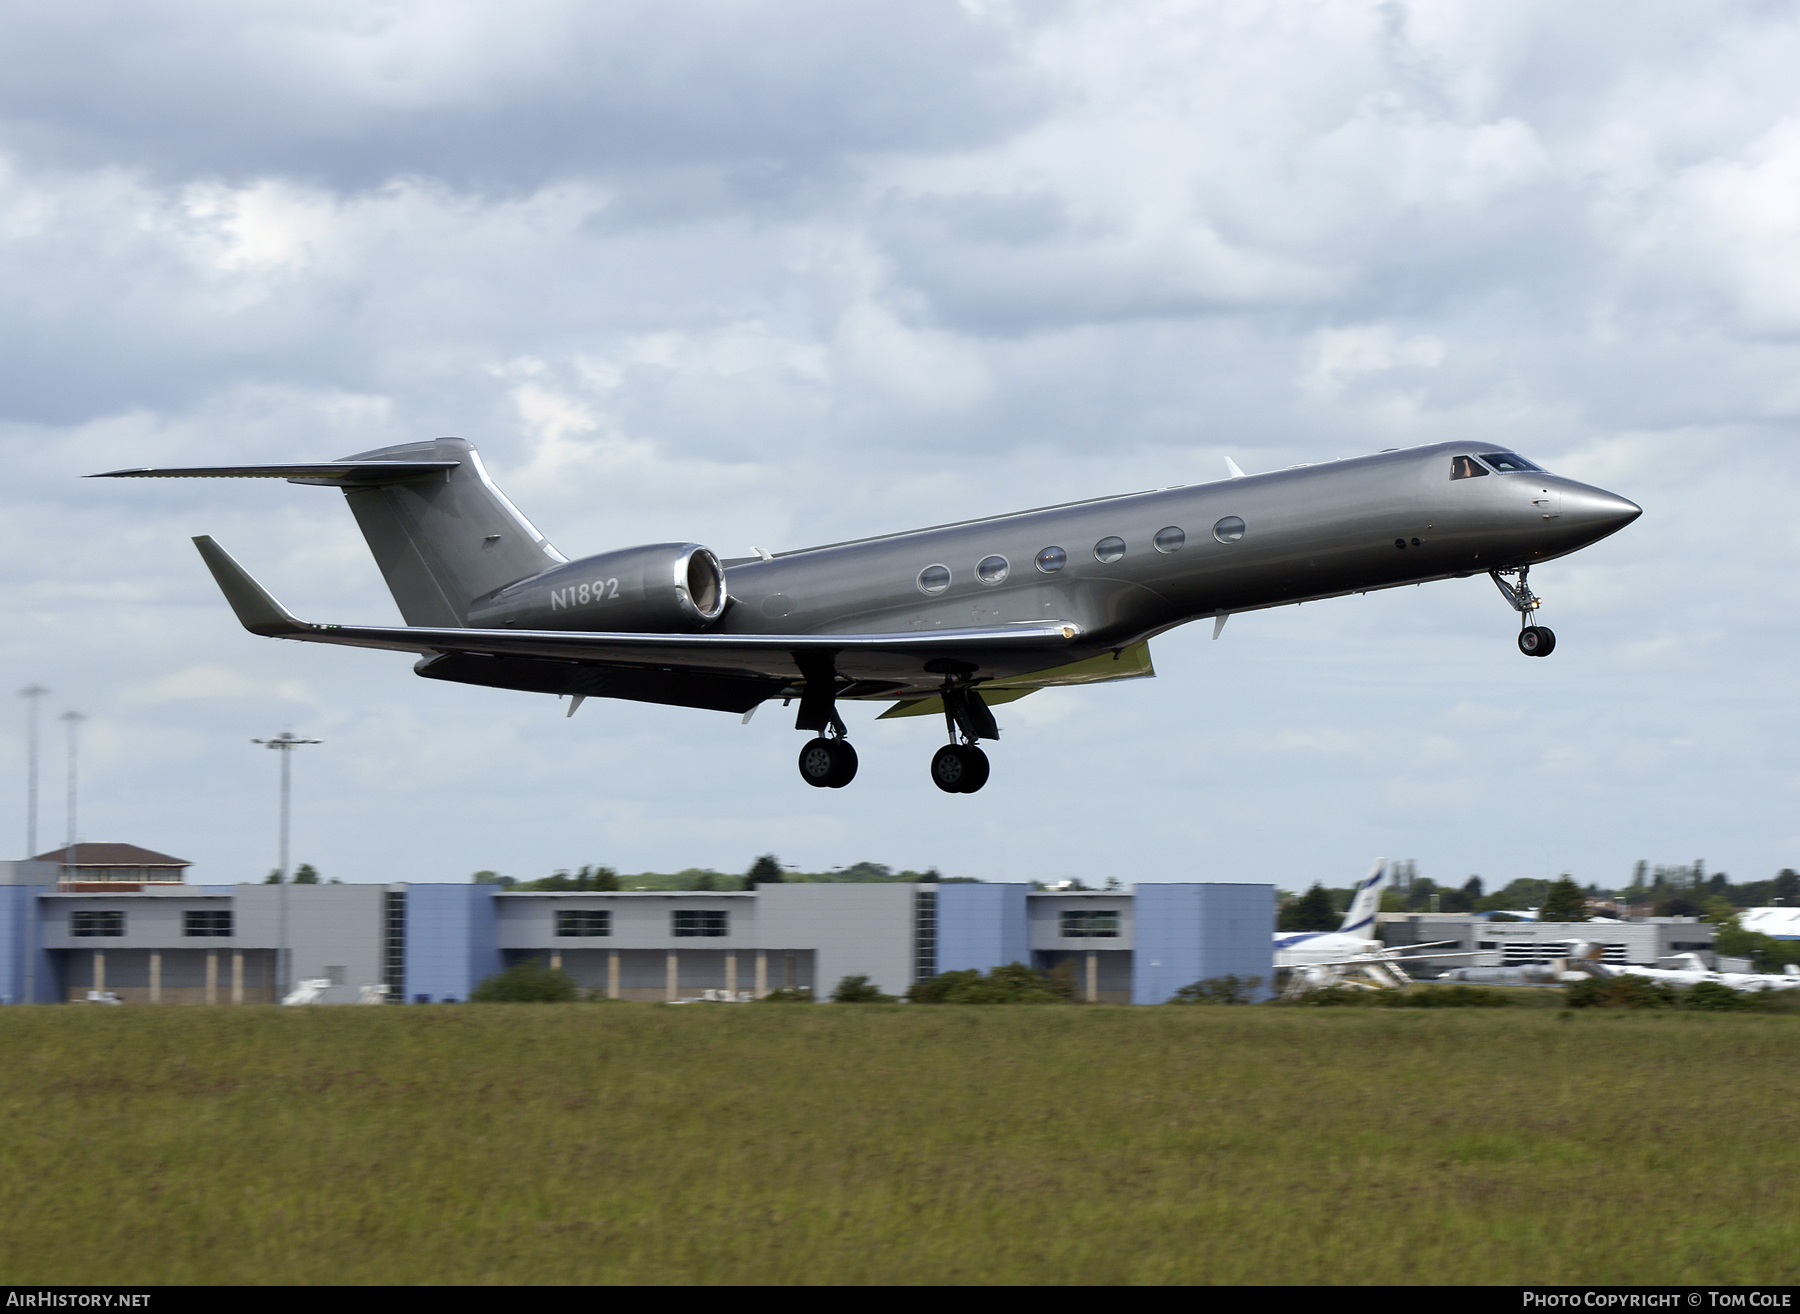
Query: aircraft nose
1596, 510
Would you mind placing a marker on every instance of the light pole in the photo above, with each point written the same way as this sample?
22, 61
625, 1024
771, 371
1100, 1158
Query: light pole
31, 693
285, 743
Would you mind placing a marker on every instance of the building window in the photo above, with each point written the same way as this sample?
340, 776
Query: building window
583, 921
702, 923
96, 923
393, 948
1090, 925
206, 923
925, 935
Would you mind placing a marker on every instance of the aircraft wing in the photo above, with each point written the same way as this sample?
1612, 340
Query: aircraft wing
895, 659
1387, 958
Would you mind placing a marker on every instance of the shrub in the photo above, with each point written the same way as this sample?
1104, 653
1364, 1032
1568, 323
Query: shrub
859, 990
1219, 990
1454, 996
788, 995
529, 982
1620, 992
1335, 996
1013, 984
1713, 997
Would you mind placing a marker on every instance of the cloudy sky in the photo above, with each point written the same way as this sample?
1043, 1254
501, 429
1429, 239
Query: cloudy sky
787, 271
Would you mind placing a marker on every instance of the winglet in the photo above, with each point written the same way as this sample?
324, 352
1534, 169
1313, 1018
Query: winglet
256, 610
1232, 466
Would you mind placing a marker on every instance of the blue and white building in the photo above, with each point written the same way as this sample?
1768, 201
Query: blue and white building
182, 943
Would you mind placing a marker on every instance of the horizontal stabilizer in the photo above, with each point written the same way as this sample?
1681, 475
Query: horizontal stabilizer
332, 474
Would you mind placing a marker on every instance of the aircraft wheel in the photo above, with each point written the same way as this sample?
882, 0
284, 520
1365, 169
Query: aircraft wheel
950, 767
844, 763
818, 763
1536, 641
975, 770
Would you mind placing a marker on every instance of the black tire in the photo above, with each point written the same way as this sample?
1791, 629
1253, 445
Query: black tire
1548, 645
975, 770
1531, 641
949, 767
818, 763
844, 768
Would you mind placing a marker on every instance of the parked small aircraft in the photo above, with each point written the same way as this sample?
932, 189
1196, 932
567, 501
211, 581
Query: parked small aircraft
954, 619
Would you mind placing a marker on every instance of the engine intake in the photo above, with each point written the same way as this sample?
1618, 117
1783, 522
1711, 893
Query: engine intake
661, 588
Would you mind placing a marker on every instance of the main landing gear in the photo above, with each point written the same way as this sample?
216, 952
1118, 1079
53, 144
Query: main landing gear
1534, 640
827, 763
960, 767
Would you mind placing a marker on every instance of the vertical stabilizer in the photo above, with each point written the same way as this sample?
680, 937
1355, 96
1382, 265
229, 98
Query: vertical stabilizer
1365, 903
443, 541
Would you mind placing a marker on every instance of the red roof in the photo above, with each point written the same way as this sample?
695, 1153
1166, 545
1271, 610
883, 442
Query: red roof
110, 855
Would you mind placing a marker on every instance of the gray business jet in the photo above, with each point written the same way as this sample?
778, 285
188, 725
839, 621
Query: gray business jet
953, 619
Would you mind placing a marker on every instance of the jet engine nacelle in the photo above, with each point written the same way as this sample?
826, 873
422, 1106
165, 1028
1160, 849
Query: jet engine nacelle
661, 588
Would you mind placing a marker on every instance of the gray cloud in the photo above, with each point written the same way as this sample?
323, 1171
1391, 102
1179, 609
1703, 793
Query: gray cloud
783, 273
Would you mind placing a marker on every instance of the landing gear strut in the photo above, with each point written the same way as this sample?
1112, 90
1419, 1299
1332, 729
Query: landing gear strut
1534, 640
961, 767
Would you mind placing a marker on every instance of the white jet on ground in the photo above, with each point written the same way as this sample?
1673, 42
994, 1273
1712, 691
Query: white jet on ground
1349, 956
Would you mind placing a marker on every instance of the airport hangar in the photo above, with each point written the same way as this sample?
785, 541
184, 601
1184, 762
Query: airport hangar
174, 942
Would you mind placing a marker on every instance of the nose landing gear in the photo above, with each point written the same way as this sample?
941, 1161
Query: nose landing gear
1534, 640
1537, 641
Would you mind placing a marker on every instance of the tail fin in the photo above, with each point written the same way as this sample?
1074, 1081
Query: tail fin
442, 543
1366, 902
442, 534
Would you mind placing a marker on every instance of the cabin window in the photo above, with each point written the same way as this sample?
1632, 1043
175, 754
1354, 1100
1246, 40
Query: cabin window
1466, 467
1507, 463
1171, 539
1229, 530
1051, 560
934, 579
991, 570
1109, 550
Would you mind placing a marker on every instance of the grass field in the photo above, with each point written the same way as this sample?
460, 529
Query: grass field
892, 1144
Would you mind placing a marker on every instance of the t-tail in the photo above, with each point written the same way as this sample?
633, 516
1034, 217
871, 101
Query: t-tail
442, 533
1359, 920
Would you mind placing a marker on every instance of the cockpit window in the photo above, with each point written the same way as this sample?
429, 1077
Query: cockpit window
1466, 467
1506, 462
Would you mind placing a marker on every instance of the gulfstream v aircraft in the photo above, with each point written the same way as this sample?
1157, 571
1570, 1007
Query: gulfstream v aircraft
953, 619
